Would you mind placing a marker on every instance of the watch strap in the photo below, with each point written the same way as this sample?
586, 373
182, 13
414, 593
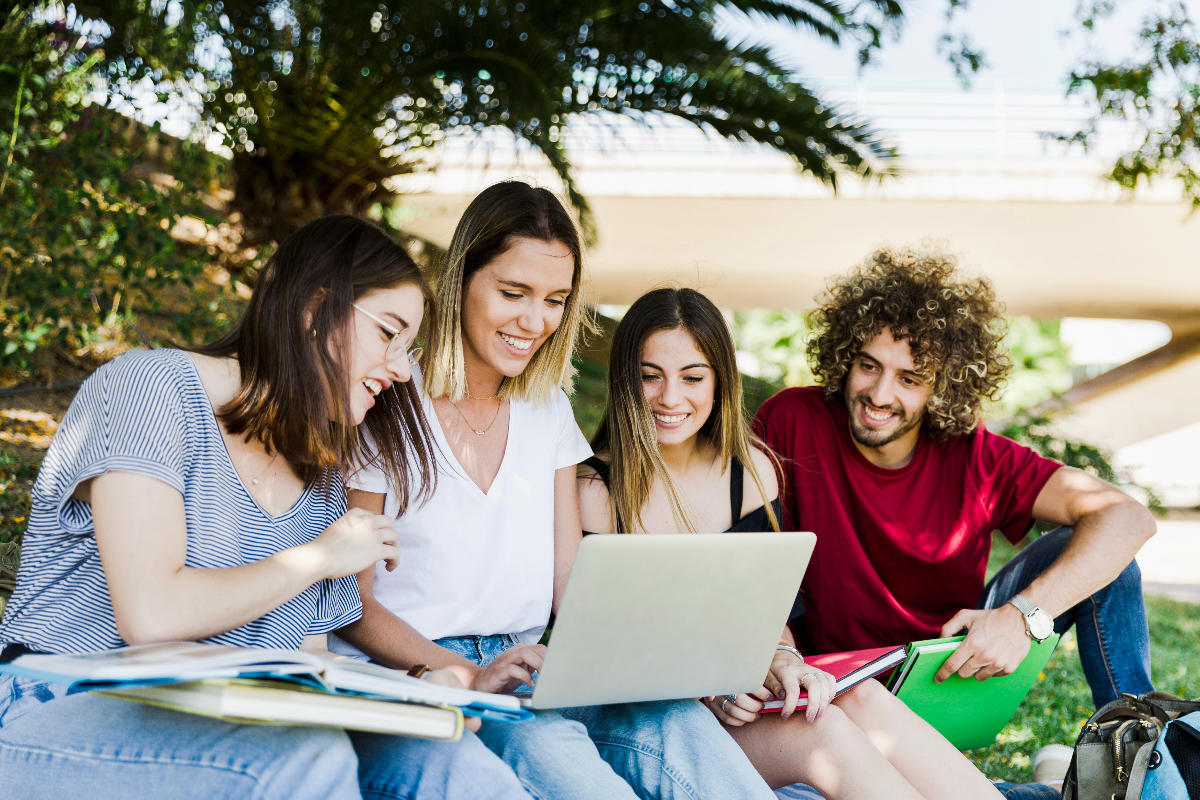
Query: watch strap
1024, 606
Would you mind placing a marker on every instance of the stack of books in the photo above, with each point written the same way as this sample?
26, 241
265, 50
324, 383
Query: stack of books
267, 686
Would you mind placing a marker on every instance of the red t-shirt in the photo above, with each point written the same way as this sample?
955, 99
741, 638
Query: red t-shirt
899, 551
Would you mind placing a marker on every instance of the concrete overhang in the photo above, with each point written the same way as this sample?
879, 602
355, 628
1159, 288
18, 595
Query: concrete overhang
1046, 259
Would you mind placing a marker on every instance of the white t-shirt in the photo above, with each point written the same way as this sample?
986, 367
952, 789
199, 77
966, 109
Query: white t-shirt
474, 563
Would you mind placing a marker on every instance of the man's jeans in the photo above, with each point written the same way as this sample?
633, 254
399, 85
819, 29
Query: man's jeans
1114, 640
672, 750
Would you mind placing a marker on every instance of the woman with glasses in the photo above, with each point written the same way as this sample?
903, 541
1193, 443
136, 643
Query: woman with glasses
198, 496
674, 454
486, 558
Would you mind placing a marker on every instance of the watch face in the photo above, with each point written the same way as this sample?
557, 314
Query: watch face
1041, 624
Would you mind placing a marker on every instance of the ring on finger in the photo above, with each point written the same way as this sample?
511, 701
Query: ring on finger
723, 704
731, 698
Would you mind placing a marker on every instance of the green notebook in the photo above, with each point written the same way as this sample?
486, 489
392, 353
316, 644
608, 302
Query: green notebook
968, 712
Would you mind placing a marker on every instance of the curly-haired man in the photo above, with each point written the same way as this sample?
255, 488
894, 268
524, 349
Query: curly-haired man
887, 462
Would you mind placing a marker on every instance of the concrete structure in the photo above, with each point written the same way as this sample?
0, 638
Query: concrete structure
980, 179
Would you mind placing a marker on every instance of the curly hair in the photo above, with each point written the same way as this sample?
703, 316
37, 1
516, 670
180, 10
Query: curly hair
954, 326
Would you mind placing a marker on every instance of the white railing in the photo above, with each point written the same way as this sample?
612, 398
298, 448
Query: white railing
988, 143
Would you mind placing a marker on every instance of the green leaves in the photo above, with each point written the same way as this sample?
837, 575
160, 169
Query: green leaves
1158, 91
323, 102
85, 233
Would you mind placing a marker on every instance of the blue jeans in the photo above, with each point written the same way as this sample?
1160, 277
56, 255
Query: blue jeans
671, 750
54, 746
1114, 639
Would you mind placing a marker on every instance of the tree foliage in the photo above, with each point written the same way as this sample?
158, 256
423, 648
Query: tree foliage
84, 233
1159, 90
322, 101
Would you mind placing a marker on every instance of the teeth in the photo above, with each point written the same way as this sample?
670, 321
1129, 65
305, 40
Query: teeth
373, 386
670, 419
878, 416
520, 344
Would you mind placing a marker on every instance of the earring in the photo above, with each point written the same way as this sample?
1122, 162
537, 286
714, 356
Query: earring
314, 332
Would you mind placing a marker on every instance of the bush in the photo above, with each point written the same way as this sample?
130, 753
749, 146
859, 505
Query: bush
86, 244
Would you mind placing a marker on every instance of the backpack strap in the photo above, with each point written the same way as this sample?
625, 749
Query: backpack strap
1137, 772
1169, 704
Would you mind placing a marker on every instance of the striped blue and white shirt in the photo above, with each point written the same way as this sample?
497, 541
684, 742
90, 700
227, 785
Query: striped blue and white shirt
146, 412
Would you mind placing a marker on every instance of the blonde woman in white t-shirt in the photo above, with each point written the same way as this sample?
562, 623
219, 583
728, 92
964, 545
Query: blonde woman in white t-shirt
485, 560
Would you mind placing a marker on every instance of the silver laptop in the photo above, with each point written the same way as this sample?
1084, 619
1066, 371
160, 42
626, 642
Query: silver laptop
667, 616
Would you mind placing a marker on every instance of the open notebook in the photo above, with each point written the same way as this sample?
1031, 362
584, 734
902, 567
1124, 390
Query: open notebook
211, 676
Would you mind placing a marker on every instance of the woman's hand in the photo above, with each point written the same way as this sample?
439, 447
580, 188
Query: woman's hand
445, 677
511, 668
356, 540
785, 677
744, 708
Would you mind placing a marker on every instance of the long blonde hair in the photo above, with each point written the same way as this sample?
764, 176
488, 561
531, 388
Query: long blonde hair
494, 218
627, 434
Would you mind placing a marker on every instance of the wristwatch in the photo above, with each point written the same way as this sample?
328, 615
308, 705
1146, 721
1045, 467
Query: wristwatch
1038, 622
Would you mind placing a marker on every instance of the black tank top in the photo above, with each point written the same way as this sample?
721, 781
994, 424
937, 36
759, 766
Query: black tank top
757, 520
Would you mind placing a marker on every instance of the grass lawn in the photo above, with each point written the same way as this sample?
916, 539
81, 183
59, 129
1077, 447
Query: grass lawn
1060, 701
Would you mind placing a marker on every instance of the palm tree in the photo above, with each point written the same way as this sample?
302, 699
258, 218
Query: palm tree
324, 100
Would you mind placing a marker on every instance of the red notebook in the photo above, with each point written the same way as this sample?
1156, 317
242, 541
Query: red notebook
850, 669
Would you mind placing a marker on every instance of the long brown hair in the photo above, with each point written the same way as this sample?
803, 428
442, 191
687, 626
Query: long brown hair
285, 359
627, 434
494, 218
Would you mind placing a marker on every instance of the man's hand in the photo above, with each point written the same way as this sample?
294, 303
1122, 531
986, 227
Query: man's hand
996, 643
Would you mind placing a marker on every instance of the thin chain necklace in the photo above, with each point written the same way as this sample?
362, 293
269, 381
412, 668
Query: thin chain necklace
473, 397
472, 427
246, 450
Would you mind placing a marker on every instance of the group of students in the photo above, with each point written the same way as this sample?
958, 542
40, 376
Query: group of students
312, 481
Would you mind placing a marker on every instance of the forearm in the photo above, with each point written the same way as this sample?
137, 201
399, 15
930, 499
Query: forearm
567, 531
194, 603
787, 637
393, 642
564, 558
1102, 545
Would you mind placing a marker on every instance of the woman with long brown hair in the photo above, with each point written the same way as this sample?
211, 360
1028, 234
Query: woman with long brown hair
198, 496
671, 453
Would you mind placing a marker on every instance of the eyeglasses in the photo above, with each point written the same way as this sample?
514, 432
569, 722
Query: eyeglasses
396, 349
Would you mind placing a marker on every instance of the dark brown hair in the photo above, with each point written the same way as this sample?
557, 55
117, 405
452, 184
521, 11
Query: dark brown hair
284, 359
627, 434
952, 323
486, 231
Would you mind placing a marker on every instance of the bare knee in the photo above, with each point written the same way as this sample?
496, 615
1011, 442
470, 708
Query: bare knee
832, 726
870, 694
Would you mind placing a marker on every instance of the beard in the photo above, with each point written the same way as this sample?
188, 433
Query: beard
869, 437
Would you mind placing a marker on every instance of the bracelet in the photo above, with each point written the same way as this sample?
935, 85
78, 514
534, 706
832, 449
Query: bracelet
419, 671
791, 650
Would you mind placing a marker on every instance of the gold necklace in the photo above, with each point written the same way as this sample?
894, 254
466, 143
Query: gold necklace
472, 427
473, 397
246, 450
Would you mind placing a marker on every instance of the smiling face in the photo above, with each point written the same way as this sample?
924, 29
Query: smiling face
510, 308
886, 399
401, 309
679, 383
